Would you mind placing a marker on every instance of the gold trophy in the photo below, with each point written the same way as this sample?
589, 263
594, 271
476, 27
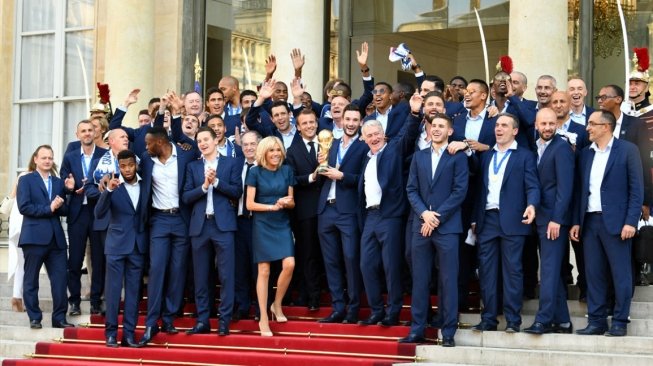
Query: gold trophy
325, 140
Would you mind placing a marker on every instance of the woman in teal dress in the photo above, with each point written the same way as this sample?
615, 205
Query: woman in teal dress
269, 198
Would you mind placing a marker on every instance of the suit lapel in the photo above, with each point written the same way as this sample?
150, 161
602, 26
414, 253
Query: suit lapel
125, 196
509, 164
441, 166
41, 184
611, 158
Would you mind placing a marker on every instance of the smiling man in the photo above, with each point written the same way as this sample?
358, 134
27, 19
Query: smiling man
580, 112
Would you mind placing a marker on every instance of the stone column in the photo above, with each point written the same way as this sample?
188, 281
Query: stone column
538, 41
299, 24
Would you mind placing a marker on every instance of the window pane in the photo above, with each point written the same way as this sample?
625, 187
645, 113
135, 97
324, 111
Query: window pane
35, 129
73, 113
74, 80
37, 67
80, 13
38, 15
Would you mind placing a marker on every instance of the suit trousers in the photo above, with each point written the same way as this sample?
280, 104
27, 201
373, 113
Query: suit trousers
381, 251
55, 260
553, 295
246, 272
78, 233
424, 250
213, 240
169, 249
340, 243
119, 268
497, 250
605, 254
309, 258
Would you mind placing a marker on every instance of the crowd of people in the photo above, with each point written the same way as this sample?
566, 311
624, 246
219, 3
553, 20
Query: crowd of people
405, 190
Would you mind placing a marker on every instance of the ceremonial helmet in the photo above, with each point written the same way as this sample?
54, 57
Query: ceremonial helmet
640, 65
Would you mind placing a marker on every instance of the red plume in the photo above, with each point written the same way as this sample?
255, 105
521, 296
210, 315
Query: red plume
643, 61
104, 93
506, 64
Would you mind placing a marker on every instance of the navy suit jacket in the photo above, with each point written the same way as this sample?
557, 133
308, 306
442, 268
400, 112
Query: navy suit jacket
396, 118
229, 190
73, 145
40, 224
135, 135
72, 163
183, 159
303, 165
519, 189
126, 225
265, 127
622, 188
556, 174
347, 188
443, 192
389, 165
486, 136
582, 139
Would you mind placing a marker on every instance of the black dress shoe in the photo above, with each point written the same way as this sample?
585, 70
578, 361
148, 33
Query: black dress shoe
448, 342
512, 328
223, 328
413, 338
199, 328
389, 321
557, 328
149, 333
617, 331
75, 310
111, 342
374, 319
591, 330
35, 324
538, 328
313, 305
169, 328
334, 317
484, 326
62, 324
97, 310
351, 319
130, 342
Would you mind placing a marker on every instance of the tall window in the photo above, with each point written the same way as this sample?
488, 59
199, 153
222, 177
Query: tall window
53, 39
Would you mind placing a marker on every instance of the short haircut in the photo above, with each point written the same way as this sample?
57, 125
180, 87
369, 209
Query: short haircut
211, 117
352, 107
192, 92
458, 77
307, 111
143, 111
154, 100
158, 133
212, 90
484, 87
406, 88
84, 121
609, 118
617, 90
206, 129
550, 78
126, 154
521, 75
439, 83
515, 121
434, 93
280, 103
438, 115
252, 132
247, 92
266, 145
384, 84
371, 123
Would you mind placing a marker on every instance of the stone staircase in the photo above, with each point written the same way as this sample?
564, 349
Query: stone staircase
500, 348
16, 337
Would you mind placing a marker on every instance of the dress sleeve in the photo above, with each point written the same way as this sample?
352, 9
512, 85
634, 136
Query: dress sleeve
252, 177
290, 176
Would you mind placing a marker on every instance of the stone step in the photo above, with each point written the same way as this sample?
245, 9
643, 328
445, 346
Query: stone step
45, 305
556, 342
519, 357
22, 320
25, 334
638, 309
636, 327
16, 349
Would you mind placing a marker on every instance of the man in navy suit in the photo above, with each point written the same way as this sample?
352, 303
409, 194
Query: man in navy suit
390, 115
163, 169
580, 112
136, 135
215, 103
437, 186
574, 133
337, 219
381, 190
555, 168
302, 157
212, 185
124, 204
609, 204
79, 165
508, 194
40, 199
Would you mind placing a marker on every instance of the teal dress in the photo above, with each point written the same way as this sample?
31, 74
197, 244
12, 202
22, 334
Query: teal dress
271, 236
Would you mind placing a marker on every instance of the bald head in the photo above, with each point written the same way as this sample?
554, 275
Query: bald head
561, 104
118, 140
546, 123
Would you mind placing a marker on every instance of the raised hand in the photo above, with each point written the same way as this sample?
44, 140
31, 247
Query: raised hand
267, 88
361, 56
297, 88
297, 58
270, 66
132, 97
69, 182
176, 102
416, 102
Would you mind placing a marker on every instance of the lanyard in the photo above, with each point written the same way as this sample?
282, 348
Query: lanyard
50, 187
503, 159
343, 151
85, 167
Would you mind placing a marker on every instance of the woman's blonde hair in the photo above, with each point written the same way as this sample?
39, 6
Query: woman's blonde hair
266, 145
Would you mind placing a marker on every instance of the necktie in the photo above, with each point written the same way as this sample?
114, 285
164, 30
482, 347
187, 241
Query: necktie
246, 212
311, 144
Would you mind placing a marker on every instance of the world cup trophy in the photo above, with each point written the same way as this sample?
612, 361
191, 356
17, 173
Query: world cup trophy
325, 140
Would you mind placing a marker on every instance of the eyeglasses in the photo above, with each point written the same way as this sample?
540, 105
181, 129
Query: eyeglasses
602, 98
379, 91
594, 124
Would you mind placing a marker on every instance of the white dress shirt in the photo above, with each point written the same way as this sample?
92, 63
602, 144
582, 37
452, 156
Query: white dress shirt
541, 148
133, 190
289, 136
596, 175
496, 180
383, 118
243, 175
373, 192
617, 127
213, 164
342, 151
436, 155
474, 125
165, 190
579, 118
